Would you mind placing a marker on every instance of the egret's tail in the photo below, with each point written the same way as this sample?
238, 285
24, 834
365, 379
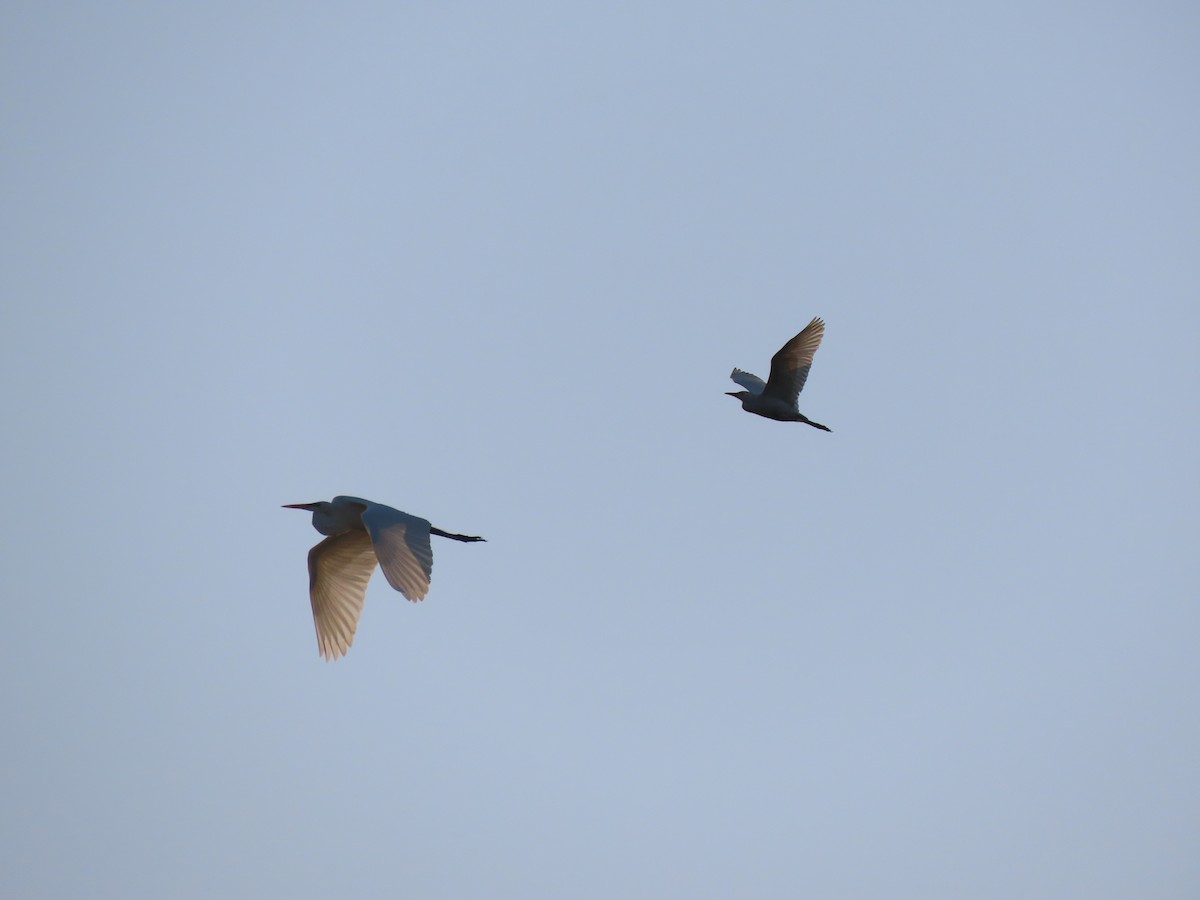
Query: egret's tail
464, 537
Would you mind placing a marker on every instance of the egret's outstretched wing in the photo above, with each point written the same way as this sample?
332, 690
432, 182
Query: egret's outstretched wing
789, 367
752, 383
338, 571
402, 547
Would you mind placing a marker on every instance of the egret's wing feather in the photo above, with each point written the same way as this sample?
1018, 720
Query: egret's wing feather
789, 367
338, 571
752, 383
402, 546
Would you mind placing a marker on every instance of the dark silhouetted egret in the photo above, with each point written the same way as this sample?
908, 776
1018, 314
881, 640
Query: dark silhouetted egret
361, 533
776, 399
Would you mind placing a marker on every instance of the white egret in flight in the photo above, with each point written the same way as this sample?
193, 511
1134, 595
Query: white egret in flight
776, 399
361, 533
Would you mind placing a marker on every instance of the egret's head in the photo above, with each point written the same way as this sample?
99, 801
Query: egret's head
322, 510
332, 517
741, 395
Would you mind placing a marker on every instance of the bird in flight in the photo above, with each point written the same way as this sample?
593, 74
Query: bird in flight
361, 533
776, 398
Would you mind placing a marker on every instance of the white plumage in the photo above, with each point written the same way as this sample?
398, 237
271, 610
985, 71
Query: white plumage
360, 534
776, 398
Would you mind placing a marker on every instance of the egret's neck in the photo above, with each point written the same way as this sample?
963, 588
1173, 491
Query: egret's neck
338, 519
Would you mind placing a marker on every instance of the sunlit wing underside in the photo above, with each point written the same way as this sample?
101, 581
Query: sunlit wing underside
339, 568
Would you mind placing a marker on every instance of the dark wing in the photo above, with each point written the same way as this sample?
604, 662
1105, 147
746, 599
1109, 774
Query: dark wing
789, 367
338, 571
402, 546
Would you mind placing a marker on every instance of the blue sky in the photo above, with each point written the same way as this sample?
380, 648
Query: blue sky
492, 264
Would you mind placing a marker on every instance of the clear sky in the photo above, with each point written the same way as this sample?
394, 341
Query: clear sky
492, 264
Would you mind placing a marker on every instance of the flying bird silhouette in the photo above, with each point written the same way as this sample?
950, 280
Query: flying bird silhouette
361, 533
776, 398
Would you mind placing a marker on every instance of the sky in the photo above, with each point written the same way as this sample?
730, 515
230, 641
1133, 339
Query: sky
491, 264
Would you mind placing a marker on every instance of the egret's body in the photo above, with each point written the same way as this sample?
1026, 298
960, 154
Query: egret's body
776, 397
361, 533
